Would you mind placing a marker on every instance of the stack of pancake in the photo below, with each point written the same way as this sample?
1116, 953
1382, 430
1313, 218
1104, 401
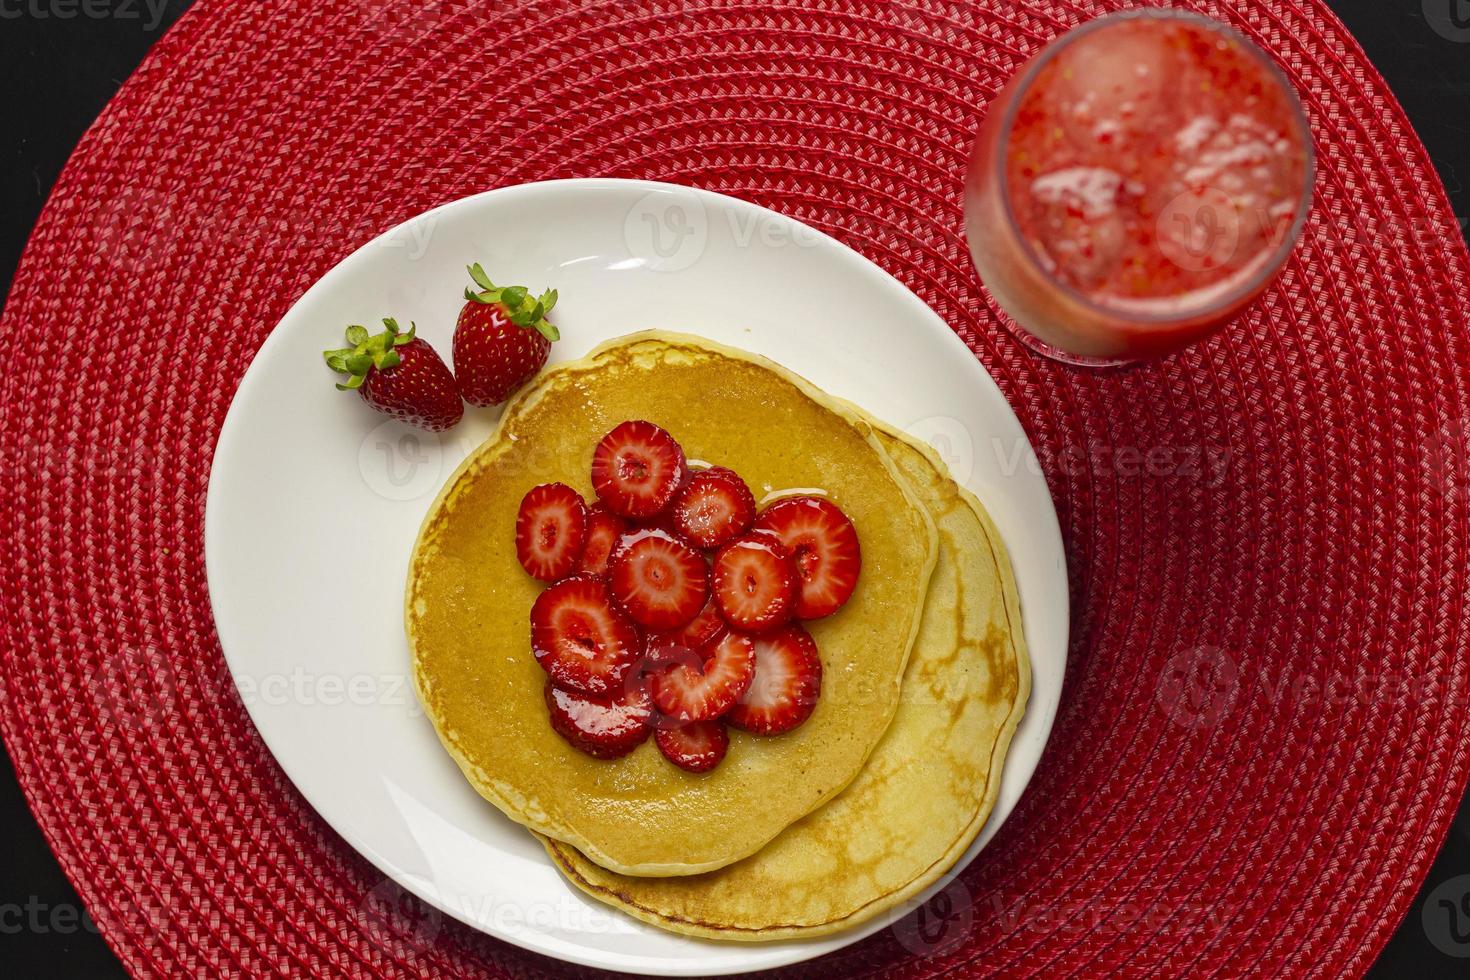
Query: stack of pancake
924, 671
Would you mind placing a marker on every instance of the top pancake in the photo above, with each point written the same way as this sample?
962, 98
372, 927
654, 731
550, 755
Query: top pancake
925, 791
469, 601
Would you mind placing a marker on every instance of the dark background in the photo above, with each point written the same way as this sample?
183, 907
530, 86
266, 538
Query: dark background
56, 74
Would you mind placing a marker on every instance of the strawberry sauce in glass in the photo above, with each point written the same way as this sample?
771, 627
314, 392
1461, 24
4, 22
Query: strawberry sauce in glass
1137, 185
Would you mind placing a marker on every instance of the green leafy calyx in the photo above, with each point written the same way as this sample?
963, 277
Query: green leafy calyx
520, 307
368, 352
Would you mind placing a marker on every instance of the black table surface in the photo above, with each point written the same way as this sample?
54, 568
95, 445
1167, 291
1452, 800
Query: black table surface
61, 60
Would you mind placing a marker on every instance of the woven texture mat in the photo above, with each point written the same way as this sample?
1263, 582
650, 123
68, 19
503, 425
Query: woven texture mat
1259, 748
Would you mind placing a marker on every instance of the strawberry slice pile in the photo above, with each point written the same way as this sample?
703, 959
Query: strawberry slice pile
675, 603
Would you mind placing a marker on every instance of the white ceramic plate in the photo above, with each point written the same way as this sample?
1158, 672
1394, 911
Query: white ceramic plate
314, 502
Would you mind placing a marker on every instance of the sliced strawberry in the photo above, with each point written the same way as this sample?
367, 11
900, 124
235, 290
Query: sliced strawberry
787, 683
636, 469
755, 582
605, 727
551, 531
696, 747
659, 657
824, 545
698, 687
698, 633
581, 640
658, 579
603, 530
663, 521
714, 508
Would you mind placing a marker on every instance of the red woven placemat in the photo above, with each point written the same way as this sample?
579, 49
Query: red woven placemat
1258, 751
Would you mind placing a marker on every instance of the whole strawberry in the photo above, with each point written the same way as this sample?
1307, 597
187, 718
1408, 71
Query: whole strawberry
399, 375
502, 339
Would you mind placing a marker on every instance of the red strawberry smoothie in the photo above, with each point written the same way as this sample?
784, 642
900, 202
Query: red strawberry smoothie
1137, 185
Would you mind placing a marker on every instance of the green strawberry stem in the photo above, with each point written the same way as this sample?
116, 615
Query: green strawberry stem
368, 351
519, 307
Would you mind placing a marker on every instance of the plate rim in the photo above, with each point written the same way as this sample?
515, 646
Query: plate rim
230, 430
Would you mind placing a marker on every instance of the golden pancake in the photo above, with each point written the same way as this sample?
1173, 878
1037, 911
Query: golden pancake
469, 601
925, 791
